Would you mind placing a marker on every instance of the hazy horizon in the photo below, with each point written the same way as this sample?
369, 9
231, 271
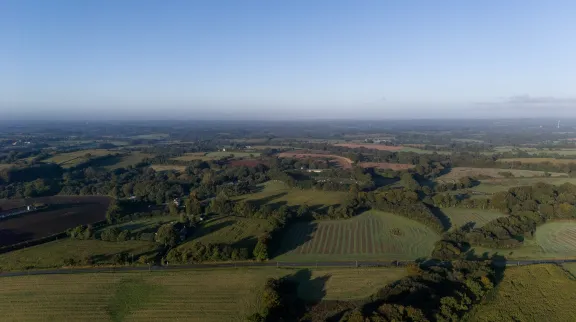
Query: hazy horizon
295, 60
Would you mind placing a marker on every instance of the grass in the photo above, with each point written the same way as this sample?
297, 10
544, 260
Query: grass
6, 166
422, 151
536, 151
372, 235
459, 172
206, 156
70, 159
168, 167
460, 216
496, 185
276, 192
53, 254
531, 293
538, 160
242, 232
129, 160
191, 295
152, 136
553, 240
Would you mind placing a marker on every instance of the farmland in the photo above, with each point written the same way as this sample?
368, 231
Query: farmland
531, 293
168, 167
379, 147
191, 295
242, 232
371, 235
536, 151
503, 184
345, 163
555, 239
130, 159
461, 216
275, 192
205, 156
538, 160
70, 159
459, 172
386, 165
62, 213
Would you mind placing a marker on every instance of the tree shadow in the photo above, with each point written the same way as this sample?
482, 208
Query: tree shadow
291, 238
9, 237
262, 201
444, 220
311, 290
204, 230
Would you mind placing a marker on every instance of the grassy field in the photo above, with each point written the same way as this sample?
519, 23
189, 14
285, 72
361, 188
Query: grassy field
70, 159
152, 136
168, 167
53, 254
531, 293
553, 240
459, 172
191, 295
422, 151
496, 185
242, 232
535, 151
371, 235
6, 166
538, 160
205, 156
132, 158
277, 192
461, 216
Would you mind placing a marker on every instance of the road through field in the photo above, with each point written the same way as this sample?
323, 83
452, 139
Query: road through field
258, 264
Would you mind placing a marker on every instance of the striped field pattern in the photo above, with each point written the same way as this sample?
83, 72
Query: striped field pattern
557, 237
374, 235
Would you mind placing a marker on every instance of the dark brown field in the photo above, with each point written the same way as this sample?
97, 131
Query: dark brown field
63, 212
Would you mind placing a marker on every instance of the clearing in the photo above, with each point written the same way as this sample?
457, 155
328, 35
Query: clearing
379, 147
168, 167
70, 159
538, 160
495, 185
531, 293
277, 192
386, 165
345, 163
191, 295
62, 213
206, 156
462, 216
372, 235
459, 172
130, 159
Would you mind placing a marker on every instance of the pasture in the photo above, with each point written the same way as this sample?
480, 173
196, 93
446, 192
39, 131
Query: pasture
190, 295
276, 192
152, 136
54, 254
371, 235
538, 160
530, 293
206, 156
372, 146
6, 166
535, 151
70, 159
130, 159
386, 165
461, 216
459, 172
242, 232
168, 167
552, 240
62, 213
495, 185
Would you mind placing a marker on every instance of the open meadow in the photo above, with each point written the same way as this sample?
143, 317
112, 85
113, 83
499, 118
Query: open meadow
191, 295
552, 240
70, 159
372, 235
495, 185
168, 167
530, 293
462, 216
276, 192
538, 160
206, 156
459, 172
129, 159
343, 162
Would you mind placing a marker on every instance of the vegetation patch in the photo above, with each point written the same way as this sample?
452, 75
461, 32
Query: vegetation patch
168, 167
460, 172
386, 165
531, 293
371, 235
472, 217
345, 163
379, 147
130, 159
71, 159
130, 295
538, 160
276, 192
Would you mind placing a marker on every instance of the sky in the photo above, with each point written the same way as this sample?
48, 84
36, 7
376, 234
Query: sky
254, 59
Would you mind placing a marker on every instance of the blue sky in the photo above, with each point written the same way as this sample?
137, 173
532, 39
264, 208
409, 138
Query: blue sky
287, 59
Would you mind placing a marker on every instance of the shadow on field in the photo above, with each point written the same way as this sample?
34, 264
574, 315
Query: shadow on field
445, 220
311, 290
9, 236
292, 238
204, 230
262, 201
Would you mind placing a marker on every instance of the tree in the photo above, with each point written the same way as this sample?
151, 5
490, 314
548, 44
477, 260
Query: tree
166, 235
173, 209
261, 249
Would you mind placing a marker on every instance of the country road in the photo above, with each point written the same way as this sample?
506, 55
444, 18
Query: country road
255, 264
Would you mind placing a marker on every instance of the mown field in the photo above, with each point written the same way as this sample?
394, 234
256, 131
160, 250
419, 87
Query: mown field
276, 192
495, 185
461, 216
242, 232
70, 159
62, 213
168, 167
531, 293
371, 235
553, 240
190, 295
459, 172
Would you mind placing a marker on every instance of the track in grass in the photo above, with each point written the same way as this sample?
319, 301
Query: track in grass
373, 234
557, 237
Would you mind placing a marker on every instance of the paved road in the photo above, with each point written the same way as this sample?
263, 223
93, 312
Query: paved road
253, 264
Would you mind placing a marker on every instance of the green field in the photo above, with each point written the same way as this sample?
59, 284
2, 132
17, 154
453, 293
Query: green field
206, 156
535, 151
152, 136
553, 240
55, 253
496, 185
242, 232
70, 159
422, 151
459, 172
190, 295
538, 160
461, 216
130, 159
6, 166
372, 235
168, 167
278, 192
530, 293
